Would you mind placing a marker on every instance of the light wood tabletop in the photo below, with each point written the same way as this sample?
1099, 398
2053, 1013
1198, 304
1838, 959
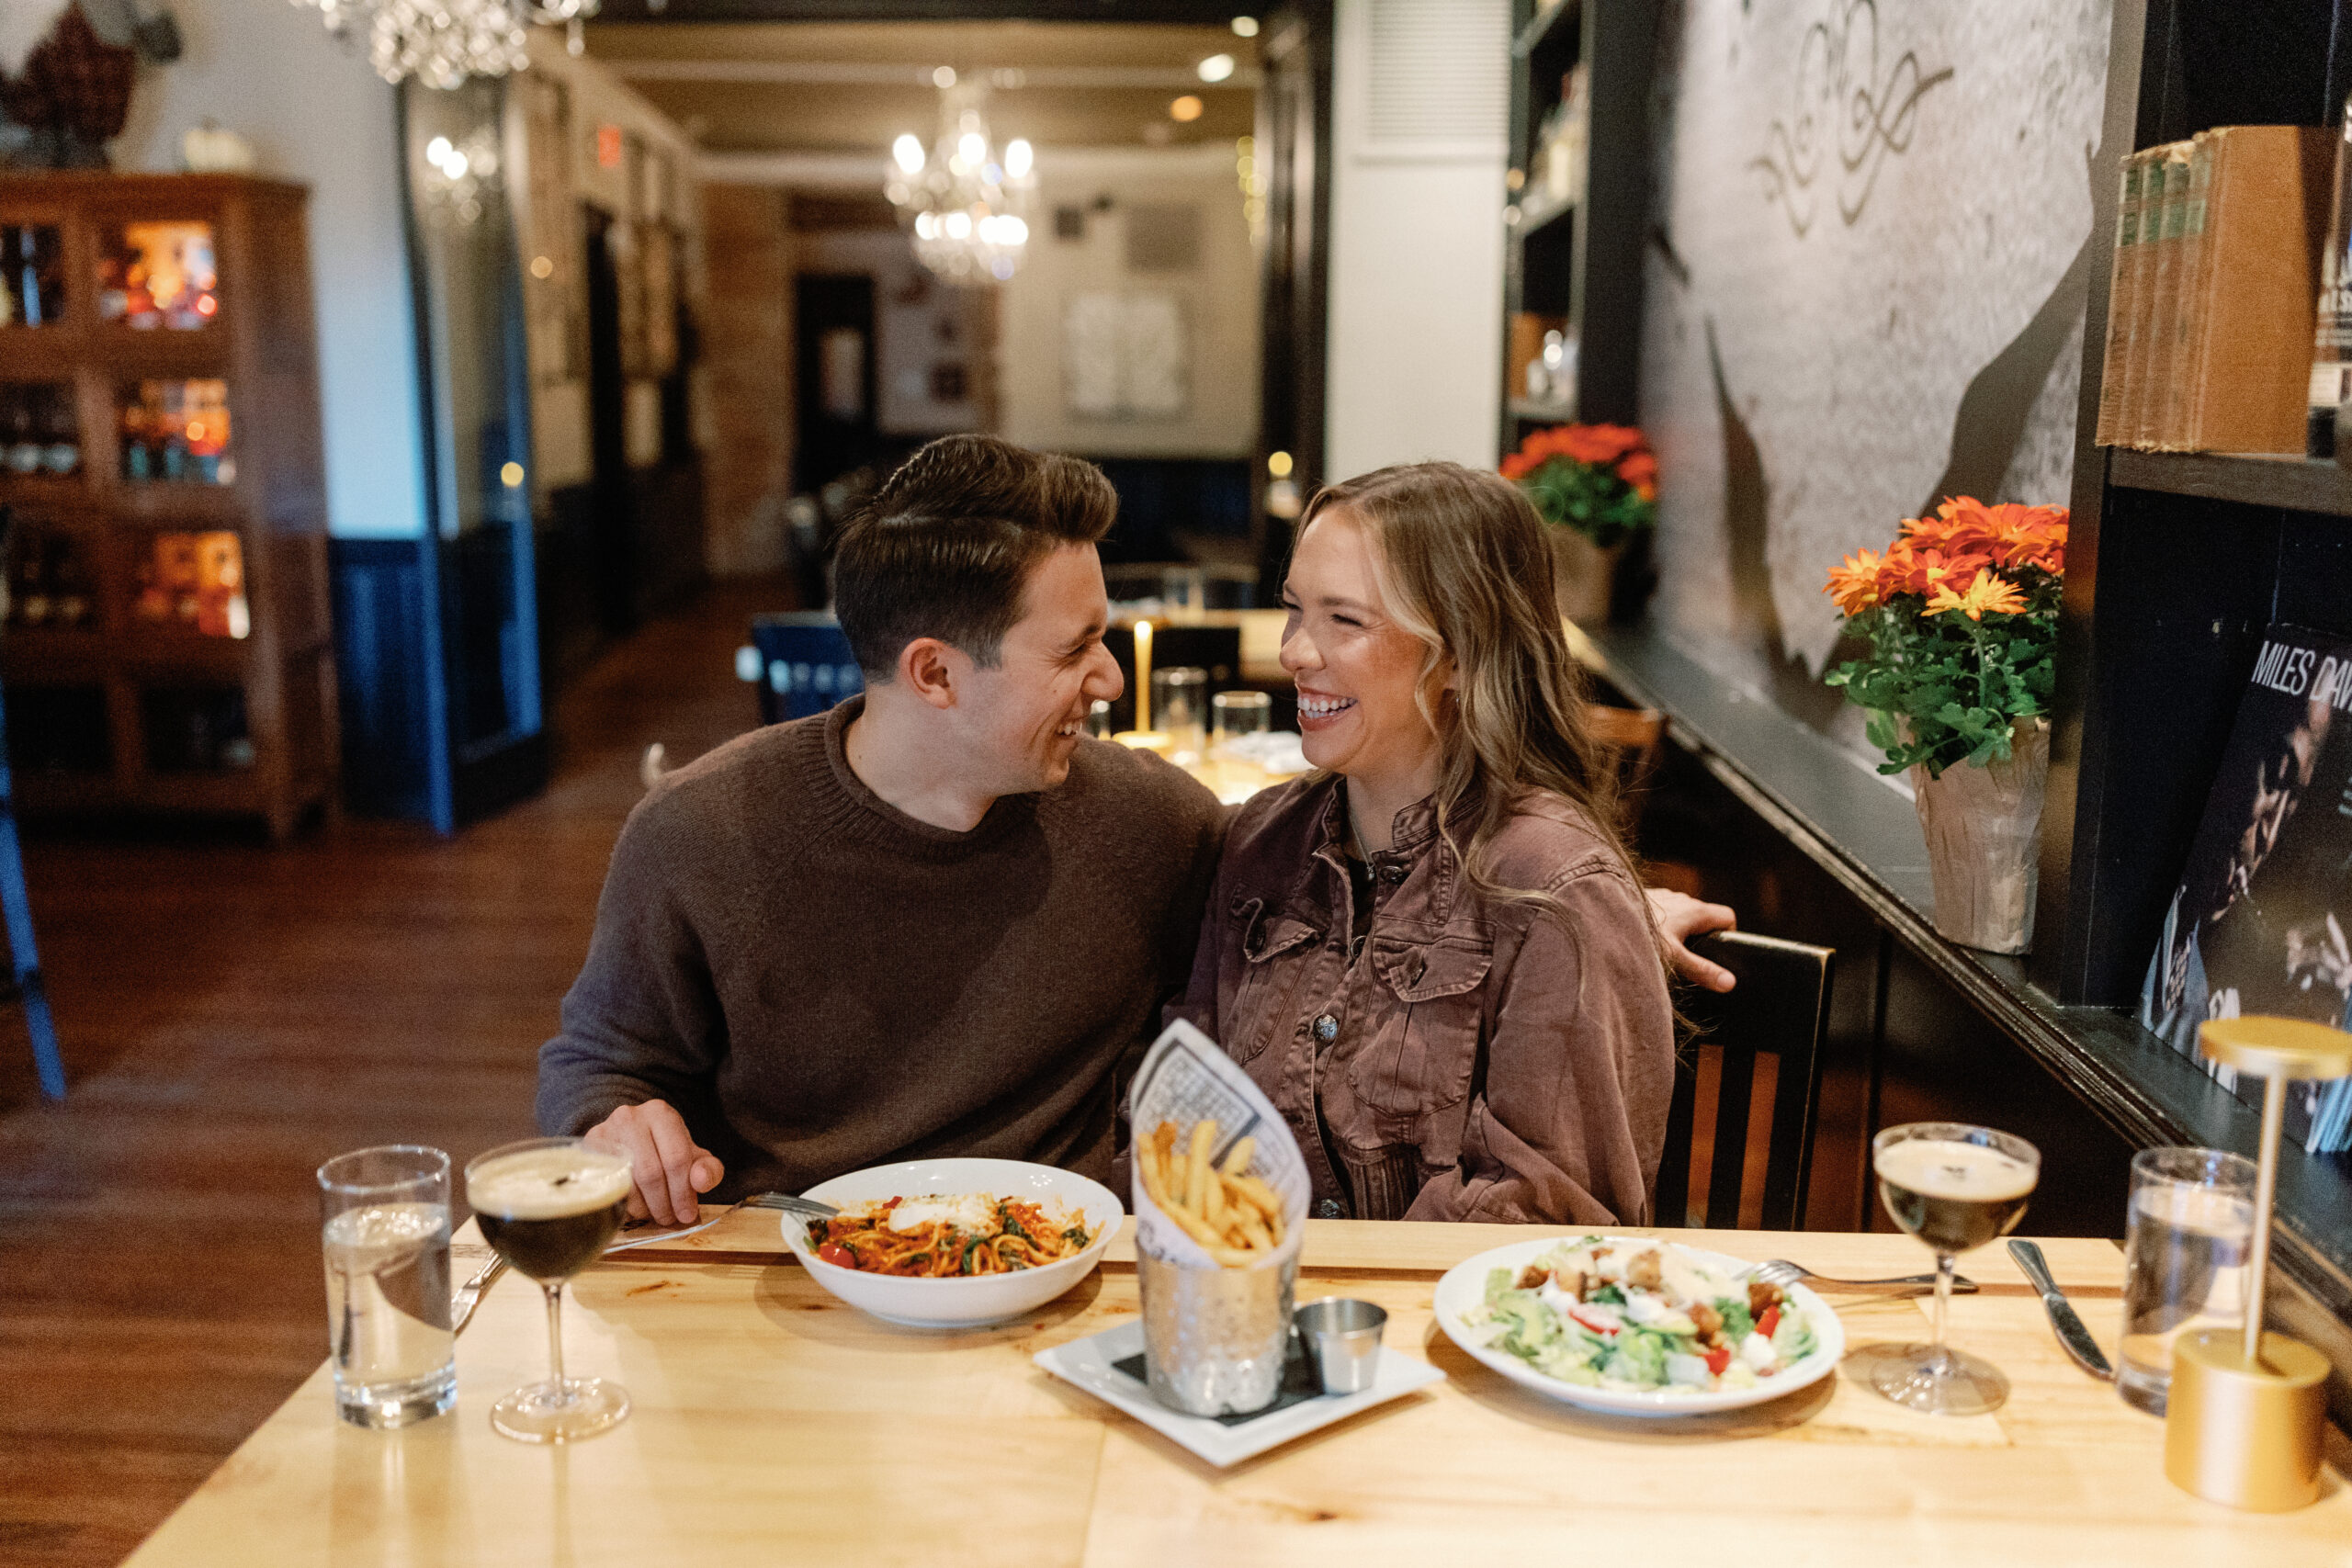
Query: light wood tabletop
773, 1424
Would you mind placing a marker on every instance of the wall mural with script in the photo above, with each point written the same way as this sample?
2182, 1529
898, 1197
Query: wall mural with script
1864, 290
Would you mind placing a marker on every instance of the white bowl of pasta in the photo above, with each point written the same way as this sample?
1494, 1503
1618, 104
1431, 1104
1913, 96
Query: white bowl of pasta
954, 1242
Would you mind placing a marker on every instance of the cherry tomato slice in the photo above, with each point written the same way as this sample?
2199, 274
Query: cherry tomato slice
1718, 1358
1769, 1322
834, 1252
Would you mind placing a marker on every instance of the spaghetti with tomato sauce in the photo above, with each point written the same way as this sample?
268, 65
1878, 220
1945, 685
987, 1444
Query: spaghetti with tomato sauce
936, 1237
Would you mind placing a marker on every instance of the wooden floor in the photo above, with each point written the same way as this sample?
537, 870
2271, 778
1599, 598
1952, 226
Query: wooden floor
233, 1014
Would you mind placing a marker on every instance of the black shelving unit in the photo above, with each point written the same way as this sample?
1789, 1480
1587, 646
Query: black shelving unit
1581, 260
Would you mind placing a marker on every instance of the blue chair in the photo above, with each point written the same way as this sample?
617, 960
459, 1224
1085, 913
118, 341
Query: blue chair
798, 664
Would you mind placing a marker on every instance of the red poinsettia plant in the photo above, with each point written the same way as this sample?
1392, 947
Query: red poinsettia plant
1600, 479
1961, 616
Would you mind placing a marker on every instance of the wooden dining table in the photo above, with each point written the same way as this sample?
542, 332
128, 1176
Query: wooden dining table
771, 1424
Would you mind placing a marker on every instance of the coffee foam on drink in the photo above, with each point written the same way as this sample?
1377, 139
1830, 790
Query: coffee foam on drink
548, 1184
1944, 1168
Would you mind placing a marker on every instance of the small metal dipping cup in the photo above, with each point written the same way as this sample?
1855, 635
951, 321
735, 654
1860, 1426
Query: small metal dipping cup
1342, 1339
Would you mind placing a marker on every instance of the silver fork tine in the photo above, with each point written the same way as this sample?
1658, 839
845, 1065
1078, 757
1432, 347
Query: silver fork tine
1781, 1272
790, 1204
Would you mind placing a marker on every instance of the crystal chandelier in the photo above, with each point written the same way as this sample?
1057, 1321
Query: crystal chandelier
442, 42
966, 205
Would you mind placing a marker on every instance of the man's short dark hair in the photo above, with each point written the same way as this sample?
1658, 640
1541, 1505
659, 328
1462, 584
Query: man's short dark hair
946, 546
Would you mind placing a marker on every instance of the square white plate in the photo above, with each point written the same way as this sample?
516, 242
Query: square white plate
1090, 1363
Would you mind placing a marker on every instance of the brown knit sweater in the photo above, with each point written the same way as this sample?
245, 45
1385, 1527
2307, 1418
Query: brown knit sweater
818, 982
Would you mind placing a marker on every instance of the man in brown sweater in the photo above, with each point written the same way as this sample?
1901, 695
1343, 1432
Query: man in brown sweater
931, 921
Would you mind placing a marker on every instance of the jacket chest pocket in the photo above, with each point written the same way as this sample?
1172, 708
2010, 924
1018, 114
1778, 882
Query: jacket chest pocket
1274, 947
1421, 1057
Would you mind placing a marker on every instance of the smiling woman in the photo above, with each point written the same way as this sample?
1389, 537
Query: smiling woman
1443, 900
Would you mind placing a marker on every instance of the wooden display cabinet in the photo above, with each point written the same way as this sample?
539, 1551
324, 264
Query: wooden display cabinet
168, 570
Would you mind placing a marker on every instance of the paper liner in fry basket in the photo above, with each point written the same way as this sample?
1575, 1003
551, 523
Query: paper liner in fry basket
1186, 1077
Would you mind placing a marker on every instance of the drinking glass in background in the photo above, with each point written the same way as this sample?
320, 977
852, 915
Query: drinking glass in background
1234, 714
2185, 1248
549, 1205
1180, 710
1098, 720
1954, 1187
384, 1217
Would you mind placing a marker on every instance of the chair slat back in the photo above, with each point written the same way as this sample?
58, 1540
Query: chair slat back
1780, 1009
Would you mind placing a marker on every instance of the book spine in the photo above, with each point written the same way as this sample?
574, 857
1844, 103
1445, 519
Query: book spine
2174, 354
2331, 382
2155, 315
2119, 302
2143, 261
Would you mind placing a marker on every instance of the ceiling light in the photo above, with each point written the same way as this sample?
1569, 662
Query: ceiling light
1185, 109
943, 78
442, 42
1245, 27
1215, 68
964, 203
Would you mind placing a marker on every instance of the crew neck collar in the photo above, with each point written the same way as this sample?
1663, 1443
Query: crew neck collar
865, 814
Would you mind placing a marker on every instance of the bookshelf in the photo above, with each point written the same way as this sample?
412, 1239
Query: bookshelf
168, 648
1575, 223
2249, 478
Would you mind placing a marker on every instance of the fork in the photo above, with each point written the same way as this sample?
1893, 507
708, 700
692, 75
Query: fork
1781, 1272
790, 1204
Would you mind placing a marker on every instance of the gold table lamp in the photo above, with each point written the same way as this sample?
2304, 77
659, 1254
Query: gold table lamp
2248, 1409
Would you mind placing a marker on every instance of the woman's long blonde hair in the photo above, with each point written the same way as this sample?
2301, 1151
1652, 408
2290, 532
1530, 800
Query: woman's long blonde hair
1461, 562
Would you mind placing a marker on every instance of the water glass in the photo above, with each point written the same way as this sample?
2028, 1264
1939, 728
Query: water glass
1180, 710
1098, 720
385, 1227
2185, 1254
1236, 713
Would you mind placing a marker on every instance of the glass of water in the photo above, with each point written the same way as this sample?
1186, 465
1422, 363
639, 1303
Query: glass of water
1180, 710
2185, 1253
1236, 713
386, 1230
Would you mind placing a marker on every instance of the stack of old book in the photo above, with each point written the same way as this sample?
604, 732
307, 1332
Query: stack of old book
2208, 324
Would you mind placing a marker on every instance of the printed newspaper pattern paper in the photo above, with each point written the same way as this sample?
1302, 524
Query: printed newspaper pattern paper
2259, 923
1186, 1077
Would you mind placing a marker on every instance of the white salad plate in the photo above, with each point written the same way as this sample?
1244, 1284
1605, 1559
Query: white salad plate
1091, 1363
957, 1302
1465, 1286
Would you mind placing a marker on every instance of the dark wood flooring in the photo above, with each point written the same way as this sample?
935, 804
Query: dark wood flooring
232, 1014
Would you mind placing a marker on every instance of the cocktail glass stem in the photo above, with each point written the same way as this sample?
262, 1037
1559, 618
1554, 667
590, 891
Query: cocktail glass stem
1939, 1364
562, 1392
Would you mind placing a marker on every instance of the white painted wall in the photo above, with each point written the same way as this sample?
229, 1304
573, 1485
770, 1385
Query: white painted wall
317, 114
1415, 361
1219, 298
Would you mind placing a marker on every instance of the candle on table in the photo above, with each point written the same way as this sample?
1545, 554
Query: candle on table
1143, 674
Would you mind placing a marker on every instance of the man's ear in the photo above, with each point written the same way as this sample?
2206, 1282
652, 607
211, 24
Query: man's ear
933, 671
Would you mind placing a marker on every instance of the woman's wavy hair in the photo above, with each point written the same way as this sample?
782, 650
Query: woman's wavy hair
1462, 561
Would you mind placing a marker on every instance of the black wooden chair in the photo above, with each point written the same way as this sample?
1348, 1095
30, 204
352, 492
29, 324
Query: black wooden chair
1780, 1009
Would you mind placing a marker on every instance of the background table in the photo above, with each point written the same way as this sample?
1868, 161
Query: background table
775, 1425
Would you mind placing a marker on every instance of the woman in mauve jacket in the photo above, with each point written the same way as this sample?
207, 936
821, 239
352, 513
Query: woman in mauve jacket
1431, 952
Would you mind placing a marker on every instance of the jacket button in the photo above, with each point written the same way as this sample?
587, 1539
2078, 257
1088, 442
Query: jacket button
1331, 1209
1327, 1029
1392, 872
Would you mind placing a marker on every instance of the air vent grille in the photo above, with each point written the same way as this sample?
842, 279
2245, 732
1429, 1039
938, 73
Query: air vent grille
1439, 70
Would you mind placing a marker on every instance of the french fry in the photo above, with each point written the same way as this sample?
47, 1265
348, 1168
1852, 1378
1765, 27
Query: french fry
1197, 1177
1237, 1160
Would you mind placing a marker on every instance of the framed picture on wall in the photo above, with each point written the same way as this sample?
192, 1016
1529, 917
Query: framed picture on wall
1126, 357
658, 256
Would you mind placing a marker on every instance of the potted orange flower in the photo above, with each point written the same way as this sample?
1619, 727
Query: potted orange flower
1596, 485
1961, 616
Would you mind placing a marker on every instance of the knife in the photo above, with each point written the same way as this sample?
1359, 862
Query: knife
2073, 1337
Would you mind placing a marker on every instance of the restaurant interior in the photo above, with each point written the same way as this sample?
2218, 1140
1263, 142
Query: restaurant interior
427, 425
